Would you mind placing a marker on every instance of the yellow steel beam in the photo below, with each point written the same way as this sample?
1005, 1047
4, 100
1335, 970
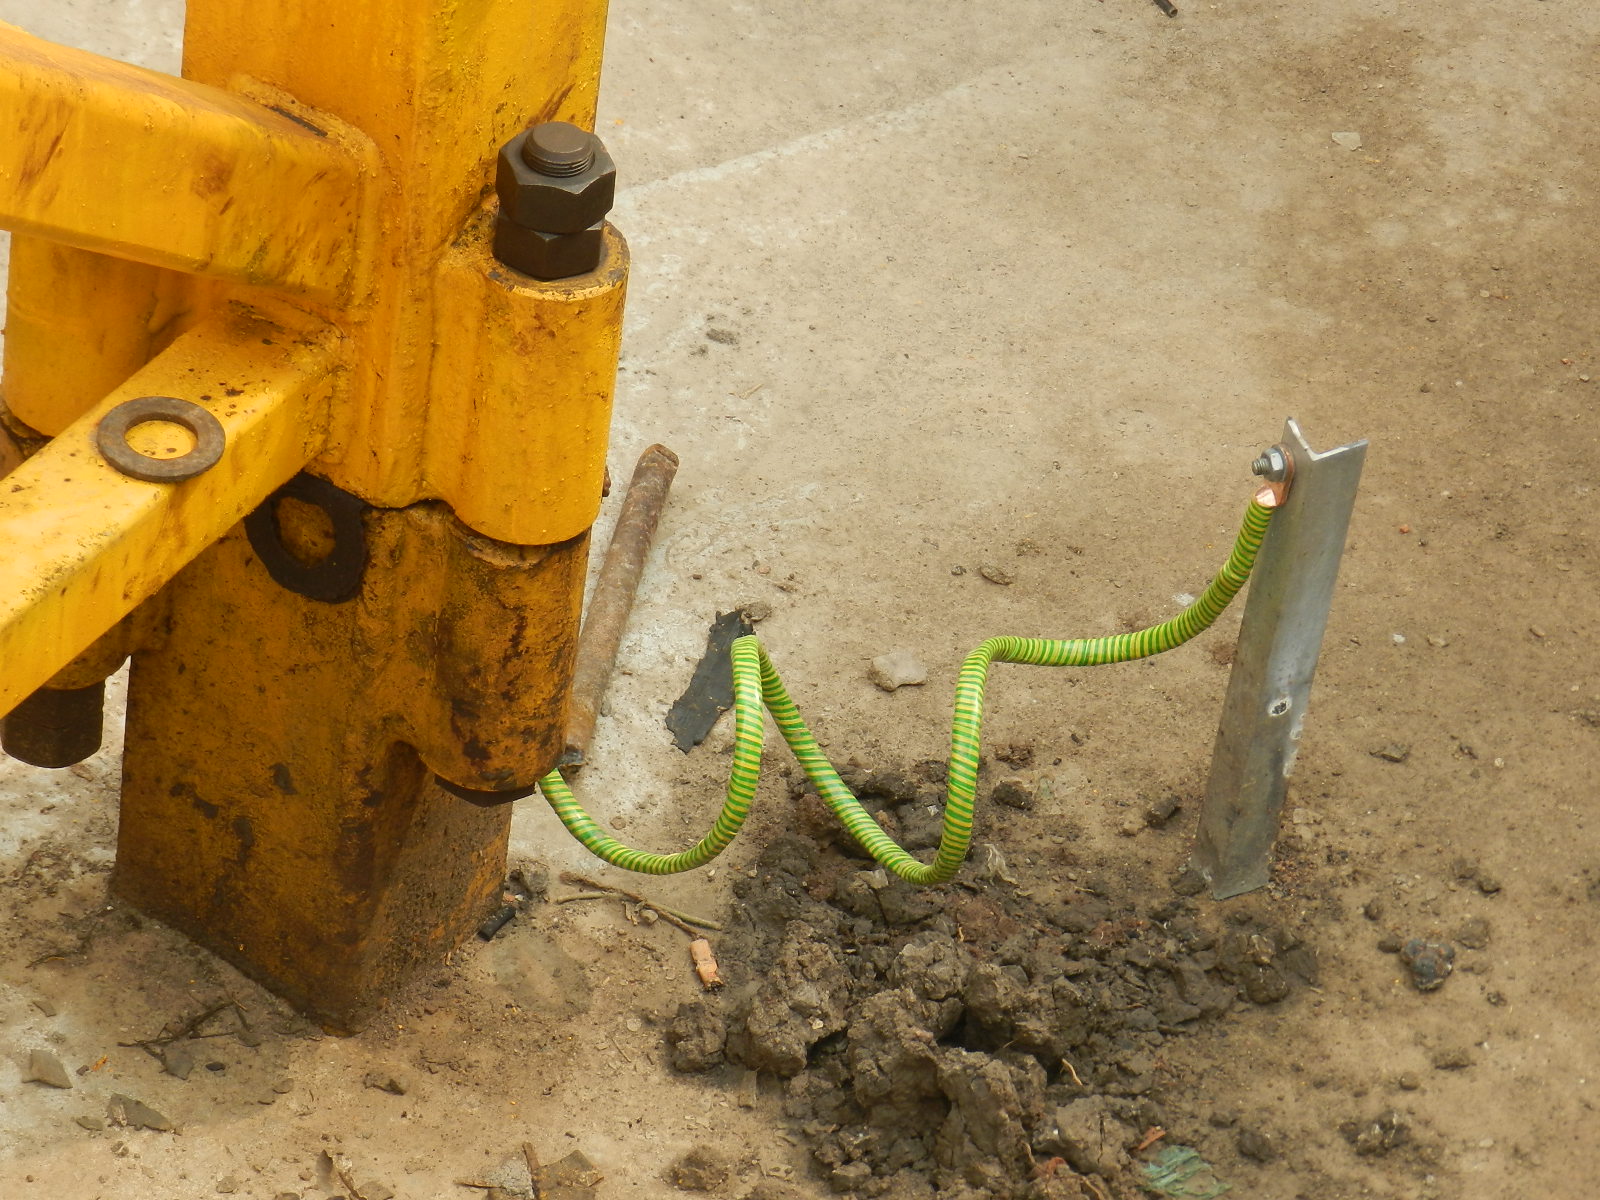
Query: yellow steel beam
77, 325
84, 544
115, 158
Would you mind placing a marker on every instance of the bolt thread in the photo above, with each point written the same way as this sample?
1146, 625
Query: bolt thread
558, 150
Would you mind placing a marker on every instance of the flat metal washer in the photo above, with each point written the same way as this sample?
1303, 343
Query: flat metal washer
111, 436
332, 579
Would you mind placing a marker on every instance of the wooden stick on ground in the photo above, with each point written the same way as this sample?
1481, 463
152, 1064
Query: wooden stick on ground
683, 921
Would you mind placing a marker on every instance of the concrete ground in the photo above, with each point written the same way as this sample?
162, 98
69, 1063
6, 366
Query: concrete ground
919, 289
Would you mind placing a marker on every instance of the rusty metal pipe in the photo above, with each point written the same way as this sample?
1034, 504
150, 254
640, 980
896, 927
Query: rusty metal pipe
607, 618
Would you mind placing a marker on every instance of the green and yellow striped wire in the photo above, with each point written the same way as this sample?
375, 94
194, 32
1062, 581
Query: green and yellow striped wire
756, 682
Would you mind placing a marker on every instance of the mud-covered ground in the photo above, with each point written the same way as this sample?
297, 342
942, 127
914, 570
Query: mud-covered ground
977, 1039
1022, 285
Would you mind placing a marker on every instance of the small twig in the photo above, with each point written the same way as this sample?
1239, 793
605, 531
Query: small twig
682, 920
688, 918
1084, 1179
1151, 1136
190, 1029
582, 896
1073, 1071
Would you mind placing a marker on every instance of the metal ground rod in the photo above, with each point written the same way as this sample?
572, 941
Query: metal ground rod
1291, 591
614, 591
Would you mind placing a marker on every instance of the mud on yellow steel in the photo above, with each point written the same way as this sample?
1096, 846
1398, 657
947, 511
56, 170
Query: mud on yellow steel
297, 238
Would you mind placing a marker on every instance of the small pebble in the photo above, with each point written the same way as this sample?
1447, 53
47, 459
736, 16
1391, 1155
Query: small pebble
46, 1068
756, 611
1348, 139
1455, 1058
135, 1114
1256, 1146
384, 1082
1488, 884
1474, 934
1159, 812
700, 1170
1394, 752
997, 574
44, 1006
177, 1060
1390, 943
1372, 910
92, 1124
897, 669
1377, 1136
1408, 1082
1430, 962
1013, 793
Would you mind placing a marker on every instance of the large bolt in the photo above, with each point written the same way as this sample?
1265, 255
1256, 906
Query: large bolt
559, 149
1273, 463
556, 183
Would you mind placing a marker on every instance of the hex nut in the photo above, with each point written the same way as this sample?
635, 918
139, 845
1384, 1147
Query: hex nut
548, 255
1273, 464
550, 203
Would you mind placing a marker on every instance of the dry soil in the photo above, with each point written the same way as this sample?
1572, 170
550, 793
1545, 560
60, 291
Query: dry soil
923, 288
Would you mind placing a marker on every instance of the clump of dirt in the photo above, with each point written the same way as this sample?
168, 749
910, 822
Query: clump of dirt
970, 1040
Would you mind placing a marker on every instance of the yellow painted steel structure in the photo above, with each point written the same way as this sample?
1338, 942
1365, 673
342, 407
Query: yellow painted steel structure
296, 237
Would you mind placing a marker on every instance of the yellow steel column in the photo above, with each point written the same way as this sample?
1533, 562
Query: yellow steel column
437, 86
338, 697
